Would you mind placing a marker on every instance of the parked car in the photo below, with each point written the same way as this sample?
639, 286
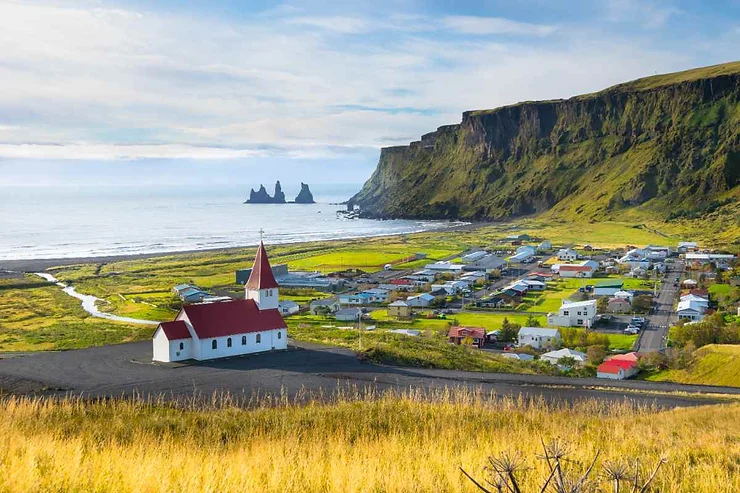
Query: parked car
631, 330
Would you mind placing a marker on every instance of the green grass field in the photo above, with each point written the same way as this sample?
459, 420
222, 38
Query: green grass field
711, 365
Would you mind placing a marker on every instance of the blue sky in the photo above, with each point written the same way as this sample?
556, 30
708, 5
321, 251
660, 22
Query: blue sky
112, 92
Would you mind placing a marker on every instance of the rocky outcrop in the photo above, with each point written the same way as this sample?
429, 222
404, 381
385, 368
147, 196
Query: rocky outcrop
304, 196
262, 197
661, 144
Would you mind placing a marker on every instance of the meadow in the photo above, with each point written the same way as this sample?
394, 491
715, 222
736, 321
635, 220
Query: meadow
714, 364
389, 442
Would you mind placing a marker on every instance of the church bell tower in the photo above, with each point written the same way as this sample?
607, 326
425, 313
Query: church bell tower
261, 286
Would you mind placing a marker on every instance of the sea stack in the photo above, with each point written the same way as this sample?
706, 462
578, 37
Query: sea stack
262, 197
279, 197
304, 196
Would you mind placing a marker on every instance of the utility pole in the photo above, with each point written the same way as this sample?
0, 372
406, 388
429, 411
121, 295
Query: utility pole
359, 328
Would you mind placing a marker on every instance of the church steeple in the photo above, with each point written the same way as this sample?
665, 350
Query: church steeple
262, 286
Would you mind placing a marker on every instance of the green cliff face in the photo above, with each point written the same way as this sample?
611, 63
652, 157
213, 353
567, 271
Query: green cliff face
668, 146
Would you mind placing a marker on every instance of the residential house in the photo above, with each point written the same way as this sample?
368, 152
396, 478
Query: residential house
619, 305
288, 307
422, 300
317, 306
567, 254
538, 337
608, 287
192, 295
377, 295
451, 287
399, 309
518, 237
617, 369
689, 283
545, 246
534, 285
721, 260
554, 356
586, 268
444, 266
627, 295
348, 314
458, 334
509, 296
691, 310
493, 301
574, 314
206, 331
522, 257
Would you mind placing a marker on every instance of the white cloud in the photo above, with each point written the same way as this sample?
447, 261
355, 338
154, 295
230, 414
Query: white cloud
645, 13
112, 83
495, 25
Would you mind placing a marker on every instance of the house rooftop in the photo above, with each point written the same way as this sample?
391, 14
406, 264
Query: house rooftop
539, 331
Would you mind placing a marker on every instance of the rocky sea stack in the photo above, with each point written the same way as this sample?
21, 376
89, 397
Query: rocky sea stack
262, 197
304, 196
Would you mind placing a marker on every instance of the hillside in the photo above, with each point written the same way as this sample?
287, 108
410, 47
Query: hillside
711, 365
665, 147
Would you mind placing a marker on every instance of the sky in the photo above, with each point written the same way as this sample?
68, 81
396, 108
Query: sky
186, 92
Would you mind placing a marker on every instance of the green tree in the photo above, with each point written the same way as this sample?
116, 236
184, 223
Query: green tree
595, 354
602, 304
532, 321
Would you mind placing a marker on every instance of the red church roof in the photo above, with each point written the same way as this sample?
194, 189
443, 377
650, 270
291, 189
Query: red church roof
175, 330
227, 318
261, 276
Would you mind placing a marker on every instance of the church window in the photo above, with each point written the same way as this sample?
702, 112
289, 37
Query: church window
244, 340
214, 344
259, 338
228, 342
182, 346
280, 335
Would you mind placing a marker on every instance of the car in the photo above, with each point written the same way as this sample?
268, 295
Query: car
634, 327
631, 331
638, 320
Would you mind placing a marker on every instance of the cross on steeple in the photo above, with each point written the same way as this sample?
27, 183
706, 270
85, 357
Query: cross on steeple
262, 234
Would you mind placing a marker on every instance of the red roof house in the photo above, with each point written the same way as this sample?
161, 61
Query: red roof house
458, 334
616, 369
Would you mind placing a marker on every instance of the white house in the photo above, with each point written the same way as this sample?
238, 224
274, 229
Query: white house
554, 356
288, 307
533, 285
444, 266
451, 287
538, 337
627, 295
692, 307
687, 246
567, 254
574, 314
348, 314
472, 257
587, 268
422, 300
544, 246
330, 304
204, 331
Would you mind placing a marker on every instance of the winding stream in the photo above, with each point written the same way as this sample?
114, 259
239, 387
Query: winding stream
89, 303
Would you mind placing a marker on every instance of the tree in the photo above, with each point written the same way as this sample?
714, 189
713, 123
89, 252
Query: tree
602, 304
509, 331
642, 303
595, 354
567, 362
532, 321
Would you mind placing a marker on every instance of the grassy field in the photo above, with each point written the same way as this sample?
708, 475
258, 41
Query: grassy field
711, 365
383, 443
44, 318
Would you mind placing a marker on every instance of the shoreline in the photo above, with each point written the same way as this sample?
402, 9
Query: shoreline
41, 264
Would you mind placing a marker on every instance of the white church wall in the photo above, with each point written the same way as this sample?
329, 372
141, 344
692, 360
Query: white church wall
160, 346
268, 340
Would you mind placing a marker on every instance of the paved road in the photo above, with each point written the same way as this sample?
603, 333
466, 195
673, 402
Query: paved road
653, 338
125, 370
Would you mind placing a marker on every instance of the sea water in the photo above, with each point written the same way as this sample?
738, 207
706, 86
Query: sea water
59, 222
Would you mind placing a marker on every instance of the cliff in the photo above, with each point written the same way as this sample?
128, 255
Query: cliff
304, 196
667, 145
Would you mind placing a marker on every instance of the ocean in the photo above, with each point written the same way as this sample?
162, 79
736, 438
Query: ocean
65, 222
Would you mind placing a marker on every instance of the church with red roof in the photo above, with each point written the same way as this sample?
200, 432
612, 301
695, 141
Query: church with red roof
204, 331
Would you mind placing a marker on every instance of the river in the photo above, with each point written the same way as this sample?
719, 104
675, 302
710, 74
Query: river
89, 303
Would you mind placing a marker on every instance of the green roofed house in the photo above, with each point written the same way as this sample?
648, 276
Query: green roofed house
608, 287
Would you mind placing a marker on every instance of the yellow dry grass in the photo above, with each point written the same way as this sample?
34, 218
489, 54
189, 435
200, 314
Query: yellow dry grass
380, 443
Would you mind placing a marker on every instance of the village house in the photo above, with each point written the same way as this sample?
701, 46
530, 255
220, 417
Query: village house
451, 287
444, 266
692, 307
721, 260
472, 257
587, 268
458, 334
545, 246
574, 314
554, 356
538, 337
318, 307
399, 309
619, 305
422, 300
518, 237
348, 314
288, 307
567, 254
518, 356
617, 369
205, 331
488, 264
686, 246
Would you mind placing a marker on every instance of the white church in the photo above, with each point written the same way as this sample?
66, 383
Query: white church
204, 331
